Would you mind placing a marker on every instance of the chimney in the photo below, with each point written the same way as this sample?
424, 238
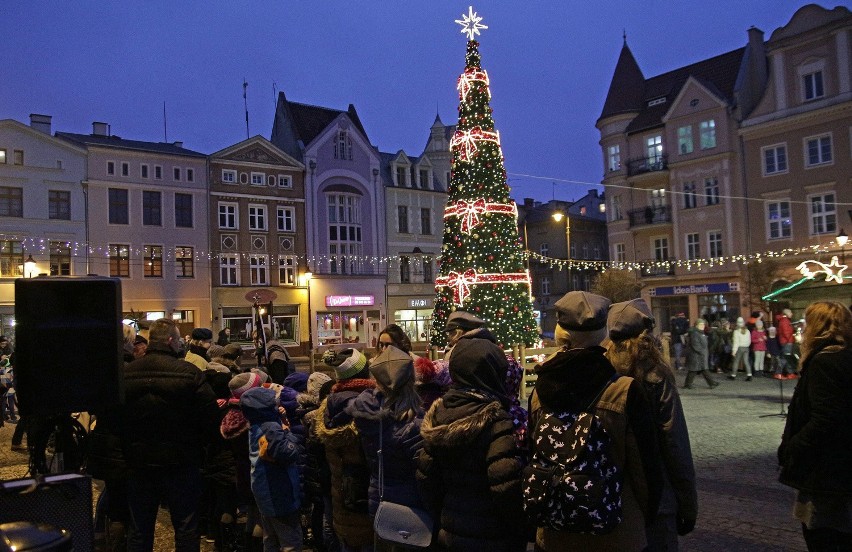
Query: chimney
593, 193
529, 203
40, 122
178, 144
100, 129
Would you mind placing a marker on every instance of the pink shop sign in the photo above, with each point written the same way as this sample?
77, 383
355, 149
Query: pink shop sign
349, 300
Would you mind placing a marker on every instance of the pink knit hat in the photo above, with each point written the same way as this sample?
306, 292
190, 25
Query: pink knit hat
241, 383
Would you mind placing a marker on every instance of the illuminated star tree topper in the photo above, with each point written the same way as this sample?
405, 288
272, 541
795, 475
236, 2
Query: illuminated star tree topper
471, 23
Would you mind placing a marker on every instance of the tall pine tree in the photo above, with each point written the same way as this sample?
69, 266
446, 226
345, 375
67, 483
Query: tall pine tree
482, 268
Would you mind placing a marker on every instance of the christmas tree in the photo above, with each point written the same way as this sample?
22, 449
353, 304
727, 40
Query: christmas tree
482, 259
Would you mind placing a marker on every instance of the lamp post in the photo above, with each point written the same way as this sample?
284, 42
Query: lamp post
307, 280
841, 240
558, 216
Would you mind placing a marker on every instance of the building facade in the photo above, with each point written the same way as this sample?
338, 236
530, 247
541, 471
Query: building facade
257, 235
42, 208
345, 240
798, 152
147, 214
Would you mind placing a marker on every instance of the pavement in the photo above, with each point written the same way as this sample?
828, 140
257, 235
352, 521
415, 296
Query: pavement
734, 429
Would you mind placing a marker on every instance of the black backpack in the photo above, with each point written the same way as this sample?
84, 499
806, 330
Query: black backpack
572, 483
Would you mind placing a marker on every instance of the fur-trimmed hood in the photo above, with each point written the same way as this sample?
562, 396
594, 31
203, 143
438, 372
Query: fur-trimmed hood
334, 437
441, 428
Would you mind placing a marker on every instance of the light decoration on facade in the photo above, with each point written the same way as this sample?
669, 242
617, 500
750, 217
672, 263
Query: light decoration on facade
811, 268
465, 141
460, 282
469, 211
470, 23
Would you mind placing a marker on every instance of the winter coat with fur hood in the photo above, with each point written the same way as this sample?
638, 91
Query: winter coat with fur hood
469, 473
336, 430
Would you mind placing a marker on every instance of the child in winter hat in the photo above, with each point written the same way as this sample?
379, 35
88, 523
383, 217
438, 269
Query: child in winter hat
311, 395
347, 363
241, 383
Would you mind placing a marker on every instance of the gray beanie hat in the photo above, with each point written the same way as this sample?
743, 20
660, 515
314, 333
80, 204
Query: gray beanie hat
629, 319
392, 368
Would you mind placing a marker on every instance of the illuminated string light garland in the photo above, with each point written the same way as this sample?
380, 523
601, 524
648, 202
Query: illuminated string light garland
469, 212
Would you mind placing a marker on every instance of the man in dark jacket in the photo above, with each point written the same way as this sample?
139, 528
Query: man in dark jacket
679, 329
170, 414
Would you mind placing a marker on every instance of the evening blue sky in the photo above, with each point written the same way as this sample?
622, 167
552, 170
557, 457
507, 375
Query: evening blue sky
550, 65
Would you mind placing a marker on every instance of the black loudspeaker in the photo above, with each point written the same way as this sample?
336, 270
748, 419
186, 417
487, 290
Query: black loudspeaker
68, 344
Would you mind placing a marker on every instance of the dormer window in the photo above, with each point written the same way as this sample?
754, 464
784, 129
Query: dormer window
657, 101
424, 179
401, 179
812, 79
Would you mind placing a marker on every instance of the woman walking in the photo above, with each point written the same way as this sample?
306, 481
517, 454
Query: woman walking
816, 447
696, 358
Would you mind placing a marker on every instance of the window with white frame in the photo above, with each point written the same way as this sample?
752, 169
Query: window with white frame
684, 139
343, 146
779, 225
229, 274
714, 243
693, 246
229, 176
711, 191
690, 199
285, 181
812, 85
654, 146
12, 201
119, 260
823, 213
401, 176
228, 218
258, 179
544, 249
152, 261
545, 285
404, 269
344, 232
774, 159
615, 212
661, 248
402, 219
286, 217
257, 217
619, 252
707, 130
614, 157
152, 208
818, 150
286, 270
259, 270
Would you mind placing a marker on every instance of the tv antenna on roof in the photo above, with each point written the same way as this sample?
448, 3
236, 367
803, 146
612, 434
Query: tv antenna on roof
245, 105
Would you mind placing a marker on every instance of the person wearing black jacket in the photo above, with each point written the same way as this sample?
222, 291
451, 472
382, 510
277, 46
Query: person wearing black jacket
816, 447
568, 381
170, 414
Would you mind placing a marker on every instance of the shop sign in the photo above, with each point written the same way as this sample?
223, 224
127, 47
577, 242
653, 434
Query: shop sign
419, 303
693, 288
349, 300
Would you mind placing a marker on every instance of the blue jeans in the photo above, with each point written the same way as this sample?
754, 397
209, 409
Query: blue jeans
785, 361
179, 487
8, 407
678, 350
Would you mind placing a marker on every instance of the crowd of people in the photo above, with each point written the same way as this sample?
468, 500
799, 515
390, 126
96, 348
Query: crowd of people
753, 346
268, 458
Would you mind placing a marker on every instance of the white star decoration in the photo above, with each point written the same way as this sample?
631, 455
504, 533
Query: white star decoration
470, 23
828, 269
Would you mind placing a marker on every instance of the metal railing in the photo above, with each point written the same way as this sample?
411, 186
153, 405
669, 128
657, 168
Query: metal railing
661, 214
647, 164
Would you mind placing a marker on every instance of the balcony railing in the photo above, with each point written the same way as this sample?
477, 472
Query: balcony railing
659, 268
647, 164
660, 214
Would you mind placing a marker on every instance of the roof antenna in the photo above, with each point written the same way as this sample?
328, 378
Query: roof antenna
165, 126
624, 34
245, 104
274, 94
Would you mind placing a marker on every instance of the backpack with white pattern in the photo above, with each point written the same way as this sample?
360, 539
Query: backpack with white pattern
572, 483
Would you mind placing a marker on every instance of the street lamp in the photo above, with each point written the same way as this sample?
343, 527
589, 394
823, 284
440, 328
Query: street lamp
558, 216
841, 240
29, 267
306, 277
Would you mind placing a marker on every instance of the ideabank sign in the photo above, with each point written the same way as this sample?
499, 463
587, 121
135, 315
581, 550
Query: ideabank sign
693, 288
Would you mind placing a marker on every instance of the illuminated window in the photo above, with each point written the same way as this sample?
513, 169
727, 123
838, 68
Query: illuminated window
684, 139
119, 260
184, 262
153, 261
708, 134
